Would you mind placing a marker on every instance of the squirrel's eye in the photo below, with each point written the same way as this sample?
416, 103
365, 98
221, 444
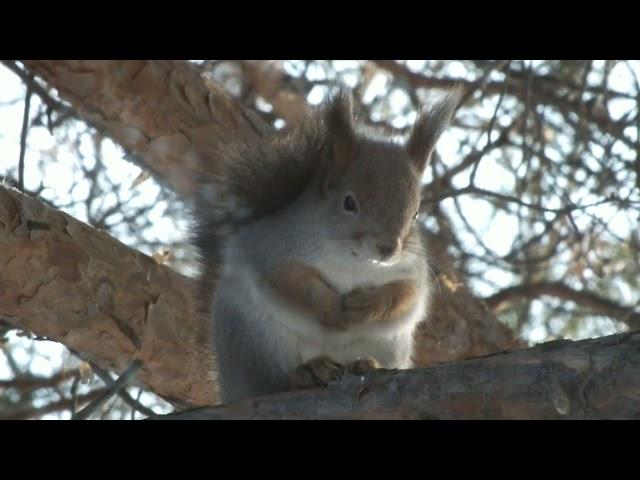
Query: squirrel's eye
415, 217
350, 204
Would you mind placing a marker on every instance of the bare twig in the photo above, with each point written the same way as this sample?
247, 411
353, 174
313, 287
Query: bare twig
46, 98
596, 303
512, 199
109, 392
23, 134
63, 404
74, 395
134, 404
33, 383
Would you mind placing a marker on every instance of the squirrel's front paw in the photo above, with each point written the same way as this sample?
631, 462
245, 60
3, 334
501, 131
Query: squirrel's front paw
332, 316
317, 372
362, 305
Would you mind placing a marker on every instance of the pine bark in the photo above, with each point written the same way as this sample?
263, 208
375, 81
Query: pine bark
67, 281
586, 380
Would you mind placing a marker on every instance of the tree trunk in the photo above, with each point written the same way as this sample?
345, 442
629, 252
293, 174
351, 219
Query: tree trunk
589, 379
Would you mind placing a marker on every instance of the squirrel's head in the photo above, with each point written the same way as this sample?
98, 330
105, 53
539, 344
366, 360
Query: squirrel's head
370, 186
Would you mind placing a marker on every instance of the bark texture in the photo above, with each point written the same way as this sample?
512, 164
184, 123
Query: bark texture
589, 379
162, 112
64, 280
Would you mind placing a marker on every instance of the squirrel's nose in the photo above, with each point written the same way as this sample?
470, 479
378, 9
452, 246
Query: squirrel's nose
387, 249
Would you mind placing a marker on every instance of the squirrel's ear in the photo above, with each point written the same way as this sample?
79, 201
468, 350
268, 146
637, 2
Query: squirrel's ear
338, 118
429, 126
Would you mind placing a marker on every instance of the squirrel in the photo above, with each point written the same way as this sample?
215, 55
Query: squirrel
314, 265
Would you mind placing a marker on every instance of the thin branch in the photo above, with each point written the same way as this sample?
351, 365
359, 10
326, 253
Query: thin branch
63, 404
23, 133
34, 383
110, 391
47, 99
74, 395
593, 301
508, 198
134, 404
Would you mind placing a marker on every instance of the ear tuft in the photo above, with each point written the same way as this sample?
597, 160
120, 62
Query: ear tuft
429, 126
338, 119
338, 114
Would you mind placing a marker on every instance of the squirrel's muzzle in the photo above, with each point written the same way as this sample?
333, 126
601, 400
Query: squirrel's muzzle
388, 248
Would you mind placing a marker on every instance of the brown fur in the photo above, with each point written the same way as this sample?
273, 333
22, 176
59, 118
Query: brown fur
379, 304
304, 288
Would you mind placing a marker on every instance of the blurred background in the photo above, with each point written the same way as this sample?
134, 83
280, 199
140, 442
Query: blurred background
535, 188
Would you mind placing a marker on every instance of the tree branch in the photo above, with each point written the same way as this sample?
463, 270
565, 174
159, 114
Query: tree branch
518, 85
111, 390
135, 405
35, 383
594, 302
63, 404
589, 379
62, 279
162, 112
23, 135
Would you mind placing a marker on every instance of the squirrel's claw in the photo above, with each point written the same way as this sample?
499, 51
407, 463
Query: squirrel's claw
317, 372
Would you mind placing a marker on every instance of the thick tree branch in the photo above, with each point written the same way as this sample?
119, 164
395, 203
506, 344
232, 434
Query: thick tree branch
62, 279
589, 379
594, 302
162, 112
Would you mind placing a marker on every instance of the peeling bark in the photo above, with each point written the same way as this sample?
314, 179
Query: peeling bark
64, 280
589, 379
